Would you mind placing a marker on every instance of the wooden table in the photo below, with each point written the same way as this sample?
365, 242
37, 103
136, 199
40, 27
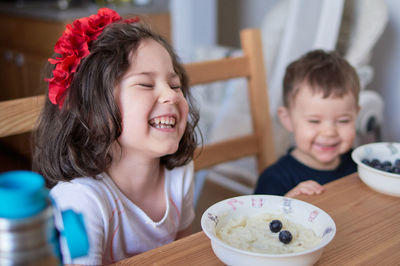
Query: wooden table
367, 223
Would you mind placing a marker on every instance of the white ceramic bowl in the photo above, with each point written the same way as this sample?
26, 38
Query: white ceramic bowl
295, 211
379, 180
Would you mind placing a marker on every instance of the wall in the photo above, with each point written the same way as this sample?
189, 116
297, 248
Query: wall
386, 63
234, 15
194, 23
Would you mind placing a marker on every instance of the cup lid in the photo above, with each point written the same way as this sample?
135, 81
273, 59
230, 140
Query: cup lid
22, 193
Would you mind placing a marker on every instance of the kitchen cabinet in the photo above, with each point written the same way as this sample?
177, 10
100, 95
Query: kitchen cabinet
26, 42
25, 45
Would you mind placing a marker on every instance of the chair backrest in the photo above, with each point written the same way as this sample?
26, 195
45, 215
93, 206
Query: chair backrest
251, 66
20, 115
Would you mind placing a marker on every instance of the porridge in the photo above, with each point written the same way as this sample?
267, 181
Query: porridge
266, 233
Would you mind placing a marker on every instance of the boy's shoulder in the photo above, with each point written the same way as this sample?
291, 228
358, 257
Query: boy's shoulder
282, 165
287, 166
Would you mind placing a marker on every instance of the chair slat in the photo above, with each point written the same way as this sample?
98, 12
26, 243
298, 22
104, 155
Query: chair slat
258, 96
19, 115
228, 150
217, 70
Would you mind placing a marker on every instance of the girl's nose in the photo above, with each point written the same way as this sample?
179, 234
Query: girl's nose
168, 95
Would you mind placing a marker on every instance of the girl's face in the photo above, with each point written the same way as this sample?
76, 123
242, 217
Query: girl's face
324, 128
153, 108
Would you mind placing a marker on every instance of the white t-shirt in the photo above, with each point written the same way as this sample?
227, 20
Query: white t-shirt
116, 227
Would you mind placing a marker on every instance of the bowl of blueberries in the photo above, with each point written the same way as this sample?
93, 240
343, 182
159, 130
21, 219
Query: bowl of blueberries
379, 166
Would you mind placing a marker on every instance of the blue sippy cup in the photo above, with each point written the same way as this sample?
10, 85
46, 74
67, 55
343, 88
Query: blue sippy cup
27, 231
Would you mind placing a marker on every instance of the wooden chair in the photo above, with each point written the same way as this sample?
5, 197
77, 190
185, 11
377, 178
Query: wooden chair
19, 115
260, 142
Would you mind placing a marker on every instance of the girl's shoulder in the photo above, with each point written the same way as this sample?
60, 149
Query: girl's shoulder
80, 184
83, 191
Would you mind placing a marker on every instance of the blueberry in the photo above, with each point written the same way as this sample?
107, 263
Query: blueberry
285, 237
396, 169
387, 168
387, 163
378, 166
397, 162
365, 161
275, 226
375, 162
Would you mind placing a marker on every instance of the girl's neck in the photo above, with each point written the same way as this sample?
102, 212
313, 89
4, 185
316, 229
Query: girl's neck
142, 181
136, 176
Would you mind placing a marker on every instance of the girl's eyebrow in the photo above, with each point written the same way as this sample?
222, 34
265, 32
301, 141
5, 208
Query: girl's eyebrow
133, 75
151, 74
143, 74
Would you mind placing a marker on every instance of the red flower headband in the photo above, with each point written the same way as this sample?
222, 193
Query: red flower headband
73, 46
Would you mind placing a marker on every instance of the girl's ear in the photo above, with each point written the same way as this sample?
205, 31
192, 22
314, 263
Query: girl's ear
284, 117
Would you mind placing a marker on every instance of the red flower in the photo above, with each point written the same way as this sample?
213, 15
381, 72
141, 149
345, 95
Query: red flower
72, 47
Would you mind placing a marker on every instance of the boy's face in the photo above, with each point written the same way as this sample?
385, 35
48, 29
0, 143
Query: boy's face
324, 128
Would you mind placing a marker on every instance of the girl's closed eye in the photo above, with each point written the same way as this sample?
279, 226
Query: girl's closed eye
146, 85
175, 82
175, 86
313, 121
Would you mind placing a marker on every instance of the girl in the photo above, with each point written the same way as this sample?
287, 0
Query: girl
115, 139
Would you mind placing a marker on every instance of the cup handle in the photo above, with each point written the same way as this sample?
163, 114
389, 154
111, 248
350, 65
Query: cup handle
75, 233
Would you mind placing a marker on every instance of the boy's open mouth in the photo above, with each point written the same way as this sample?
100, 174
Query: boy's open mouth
327, 146
163, 122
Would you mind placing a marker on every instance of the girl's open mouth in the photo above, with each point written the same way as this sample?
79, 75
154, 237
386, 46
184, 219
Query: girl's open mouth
163, 122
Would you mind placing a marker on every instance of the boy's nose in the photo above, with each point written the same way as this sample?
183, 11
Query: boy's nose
329, 129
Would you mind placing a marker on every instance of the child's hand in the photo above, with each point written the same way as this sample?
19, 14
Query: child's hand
309, 187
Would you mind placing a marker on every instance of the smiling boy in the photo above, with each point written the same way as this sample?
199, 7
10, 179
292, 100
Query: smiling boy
320, 94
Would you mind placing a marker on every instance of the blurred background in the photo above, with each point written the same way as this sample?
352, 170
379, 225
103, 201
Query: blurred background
366, 32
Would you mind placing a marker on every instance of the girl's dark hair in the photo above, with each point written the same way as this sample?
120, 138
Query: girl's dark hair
76, 140
326, 72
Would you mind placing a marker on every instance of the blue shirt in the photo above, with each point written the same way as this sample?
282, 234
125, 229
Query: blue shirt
288, 172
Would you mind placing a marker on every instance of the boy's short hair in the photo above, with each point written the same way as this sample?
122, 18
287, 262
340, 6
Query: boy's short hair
325, 72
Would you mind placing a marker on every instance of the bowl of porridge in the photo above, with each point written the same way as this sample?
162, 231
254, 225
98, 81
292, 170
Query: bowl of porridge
378, 165
267, 230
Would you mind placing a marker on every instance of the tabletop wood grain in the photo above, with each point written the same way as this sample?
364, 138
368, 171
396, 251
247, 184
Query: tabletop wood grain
367, 223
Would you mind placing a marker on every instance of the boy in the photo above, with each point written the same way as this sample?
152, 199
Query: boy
320, 94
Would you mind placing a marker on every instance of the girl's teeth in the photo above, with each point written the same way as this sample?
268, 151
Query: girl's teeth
163, 122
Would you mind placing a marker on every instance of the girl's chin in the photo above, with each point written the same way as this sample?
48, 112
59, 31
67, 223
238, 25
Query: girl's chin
168, 151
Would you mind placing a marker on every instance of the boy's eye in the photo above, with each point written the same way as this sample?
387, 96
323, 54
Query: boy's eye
344, 121
313, 121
